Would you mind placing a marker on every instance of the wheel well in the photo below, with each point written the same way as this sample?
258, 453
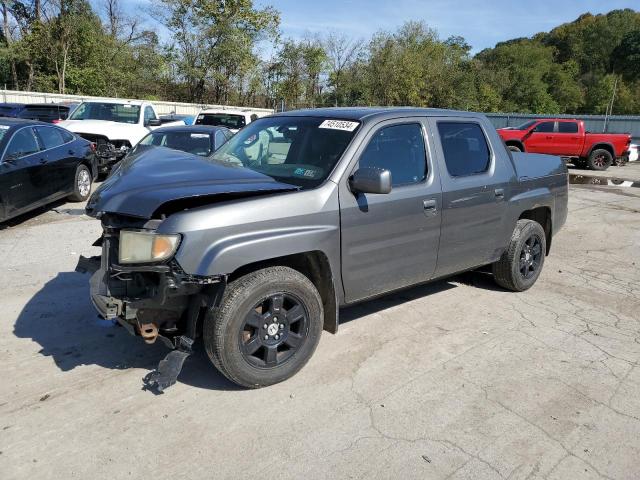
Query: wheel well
315, 266
603, 146
515, 143
542, 215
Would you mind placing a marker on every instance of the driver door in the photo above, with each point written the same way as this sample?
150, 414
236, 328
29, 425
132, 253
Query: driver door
390, 241
25, 172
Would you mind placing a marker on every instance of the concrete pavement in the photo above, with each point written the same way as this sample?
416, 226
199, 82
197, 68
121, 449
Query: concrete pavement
456, 379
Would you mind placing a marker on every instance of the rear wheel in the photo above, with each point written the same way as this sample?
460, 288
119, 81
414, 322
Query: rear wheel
521, 264
266, 328
599, 159
514, 148
82, 184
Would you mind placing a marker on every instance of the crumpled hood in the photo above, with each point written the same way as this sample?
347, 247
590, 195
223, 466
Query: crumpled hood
147, 180
111, 130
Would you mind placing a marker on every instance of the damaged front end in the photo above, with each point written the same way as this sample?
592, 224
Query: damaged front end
152, 300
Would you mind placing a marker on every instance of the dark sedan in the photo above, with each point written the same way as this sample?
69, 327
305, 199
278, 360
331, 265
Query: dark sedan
41, 163
43, 112
197, 139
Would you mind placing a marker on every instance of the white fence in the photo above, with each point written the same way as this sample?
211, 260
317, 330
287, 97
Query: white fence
16, 96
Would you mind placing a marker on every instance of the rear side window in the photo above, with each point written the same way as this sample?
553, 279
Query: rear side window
22, 144
546, 127
50, 137
399, 149
567, 127
465, 148
66, 136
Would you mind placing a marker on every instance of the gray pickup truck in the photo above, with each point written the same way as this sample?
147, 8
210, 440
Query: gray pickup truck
257, 247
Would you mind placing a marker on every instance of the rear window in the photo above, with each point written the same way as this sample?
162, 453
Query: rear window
50, 137
465, 148
567, 127
221, 120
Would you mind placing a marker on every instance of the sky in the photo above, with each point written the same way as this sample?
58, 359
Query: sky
482, 23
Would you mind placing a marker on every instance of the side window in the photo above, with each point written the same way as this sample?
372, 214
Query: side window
399, 149
219, 139
149, 114
22, 144
66, 136
545, 127
567, 127
465, 148
49, 137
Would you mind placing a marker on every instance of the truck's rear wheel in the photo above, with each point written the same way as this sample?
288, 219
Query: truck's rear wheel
521, 264
599, 159
266, 328
514, 148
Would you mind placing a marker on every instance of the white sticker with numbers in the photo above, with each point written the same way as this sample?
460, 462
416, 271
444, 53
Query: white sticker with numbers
345, 125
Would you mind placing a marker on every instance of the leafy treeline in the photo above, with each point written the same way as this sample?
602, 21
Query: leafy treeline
212, 51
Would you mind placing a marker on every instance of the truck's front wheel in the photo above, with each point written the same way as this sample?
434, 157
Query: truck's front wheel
266, 327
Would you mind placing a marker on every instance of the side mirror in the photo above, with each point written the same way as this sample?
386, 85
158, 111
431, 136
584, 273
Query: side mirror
371, 180
154, 122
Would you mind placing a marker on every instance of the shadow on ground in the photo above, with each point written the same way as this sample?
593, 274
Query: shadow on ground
61, 319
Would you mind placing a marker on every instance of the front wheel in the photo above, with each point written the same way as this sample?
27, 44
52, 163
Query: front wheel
266, 328
521, 264
81, 185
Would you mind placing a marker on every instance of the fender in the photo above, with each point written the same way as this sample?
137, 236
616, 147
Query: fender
600, 145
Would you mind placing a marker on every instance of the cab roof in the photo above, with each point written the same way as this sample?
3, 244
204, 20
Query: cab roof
375, 113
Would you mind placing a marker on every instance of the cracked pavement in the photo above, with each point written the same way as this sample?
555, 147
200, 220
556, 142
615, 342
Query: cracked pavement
450, 380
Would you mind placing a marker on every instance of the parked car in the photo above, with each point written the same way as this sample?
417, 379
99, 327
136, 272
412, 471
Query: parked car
234, 120
41, 163
173, 117
568, 138
257, 253
200, 140
114, 126
43, 112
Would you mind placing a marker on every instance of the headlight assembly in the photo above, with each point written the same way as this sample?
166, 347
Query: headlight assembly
145, 247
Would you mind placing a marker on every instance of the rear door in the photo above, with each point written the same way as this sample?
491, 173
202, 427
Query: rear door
567, 140
60, 156
24, 171
475, 182
541, 139
391, 240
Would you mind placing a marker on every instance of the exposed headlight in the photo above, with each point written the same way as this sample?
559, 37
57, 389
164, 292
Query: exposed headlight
144, 247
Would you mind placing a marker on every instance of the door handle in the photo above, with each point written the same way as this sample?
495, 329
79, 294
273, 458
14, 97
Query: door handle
429, 206
43, 160
72, 152
549, 137
499, 193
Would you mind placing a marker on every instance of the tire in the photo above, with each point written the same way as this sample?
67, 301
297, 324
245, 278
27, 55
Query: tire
516, 270
514, 148
599, 159
234, 333
82, 184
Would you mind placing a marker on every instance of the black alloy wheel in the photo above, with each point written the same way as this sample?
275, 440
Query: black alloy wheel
530, 256
274, 330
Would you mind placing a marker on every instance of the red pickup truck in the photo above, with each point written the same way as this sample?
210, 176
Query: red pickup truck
568, 138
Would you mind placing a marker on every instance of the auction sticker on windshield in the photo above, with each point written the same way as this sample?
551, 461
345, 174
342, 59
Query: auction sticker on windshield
345, 125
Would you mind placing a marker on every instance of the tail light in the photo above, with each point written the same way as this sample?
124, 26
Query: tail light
93, 146
57, 120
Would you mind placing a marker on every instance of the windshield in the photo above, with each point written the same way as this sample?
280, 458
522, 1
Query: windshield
112, 112
192, 142
236, 122
300, 151
526, 125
